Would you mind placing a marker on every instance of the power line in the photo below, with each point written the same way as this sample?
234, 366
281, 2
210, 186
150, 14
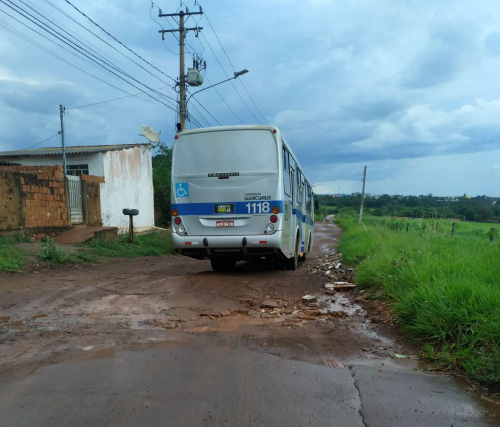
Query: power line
78, 50
115, 39
104, 41
41, 142
224, 101
227, 76
19, 34
78, 47
210, 114
234, 69
109, 100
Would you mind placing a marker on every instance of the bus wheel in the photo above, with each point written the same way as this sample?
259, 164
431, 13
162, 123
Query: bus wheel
222, 264
291, 263
302, 258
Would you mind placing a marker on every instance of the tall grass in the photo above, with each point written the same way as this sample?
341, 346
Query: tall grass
446, 290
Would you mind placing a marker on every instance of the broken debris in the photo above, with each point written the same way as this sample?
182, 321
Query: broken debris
309, 299
269, 304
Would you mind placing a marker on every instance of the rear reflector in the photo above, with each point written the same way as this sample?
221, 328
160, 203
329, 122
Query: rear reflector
262, 242
187, 243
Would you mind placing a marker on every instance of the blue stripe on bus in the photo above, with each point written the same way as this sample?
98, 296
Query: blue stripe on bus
208, 208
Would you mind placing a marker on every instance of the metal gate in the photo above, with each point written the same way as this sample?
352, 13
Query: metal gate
75, 199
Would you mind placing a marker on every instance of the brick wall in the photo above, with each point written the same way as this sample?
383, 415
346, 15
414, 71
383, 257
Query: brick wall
10, 202
92, 178
91, 203
42, 198
34, 198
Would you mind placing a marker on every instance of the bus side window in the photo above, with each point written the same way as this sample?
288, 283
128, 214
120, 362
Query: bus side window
300, 187
286, 173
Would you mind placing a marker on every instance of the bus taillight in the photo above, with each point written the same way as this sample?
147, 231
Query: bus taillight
175, 212
276, 210
273, 219
178, 221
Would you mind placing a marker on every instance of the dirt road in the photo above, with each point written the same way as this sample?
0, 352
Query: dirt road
166, 341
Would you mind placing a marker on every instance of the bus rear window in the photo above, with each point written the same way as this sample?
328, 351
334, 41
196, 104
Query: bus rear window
226, 151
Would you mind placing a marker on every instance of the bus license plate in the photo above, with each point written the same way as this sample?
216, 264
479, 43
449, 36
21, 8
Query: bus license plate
224, 224
224, 208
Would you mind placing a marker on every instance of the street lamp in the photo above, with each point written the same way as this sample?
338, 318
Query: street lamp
236, 75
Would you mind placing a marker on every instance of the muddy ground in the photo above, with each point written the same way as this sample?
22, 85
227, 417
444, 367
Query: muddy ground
54, 315
85, 314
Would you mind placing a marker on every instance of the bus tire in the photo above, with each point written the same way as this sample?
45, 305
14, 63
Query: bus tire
292, 263
222, 264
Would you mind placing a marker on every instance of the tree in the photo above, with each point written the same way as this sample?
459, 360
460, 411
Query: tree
162, 170
470, 214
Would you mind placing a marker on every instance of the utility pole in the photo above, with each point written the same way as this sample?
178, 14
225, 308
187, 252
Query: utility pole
61, 113
182, 72
362, 197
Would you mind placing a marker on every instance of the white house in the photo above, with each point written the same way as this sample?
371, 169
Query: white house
126, 169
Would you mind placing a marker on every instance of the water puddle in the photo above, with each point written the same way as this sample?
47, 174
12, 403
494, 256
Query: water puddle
338, 303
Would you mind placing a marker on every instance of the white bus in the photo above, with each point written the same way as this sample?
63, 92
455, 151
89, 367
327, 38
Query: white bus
238, 193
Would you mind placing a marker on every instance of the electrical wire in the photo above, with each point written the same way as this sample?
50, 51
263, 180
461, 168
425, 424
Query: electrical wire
19, 34
79, 51
208, 112
227, 76
224, 101
78, 47
109, 100
41, 142
200, 113
115, 39
232, 65
104, 41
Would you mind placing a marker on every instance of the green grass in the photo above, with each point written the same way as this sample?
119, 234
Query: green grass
11, 258
154, 244
445, 290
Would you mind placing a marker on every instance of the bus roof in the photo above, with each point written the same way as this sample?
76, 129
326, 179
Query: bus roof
224, 128
244, 127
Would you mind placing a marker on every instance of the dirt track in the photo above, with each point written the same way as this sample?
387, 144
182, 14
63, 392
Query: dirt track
168, 303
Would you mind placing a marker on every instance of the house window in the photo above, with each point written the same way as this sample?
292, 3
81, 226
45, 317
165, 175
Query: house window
77, 170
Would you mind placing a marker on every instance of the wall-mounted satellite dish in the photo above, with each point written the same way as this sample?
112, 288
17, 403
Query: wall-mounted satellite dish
150, 134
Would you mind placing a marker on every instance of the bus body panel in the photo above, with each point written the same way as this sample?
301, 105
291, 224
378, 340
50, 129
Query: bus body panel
243, 169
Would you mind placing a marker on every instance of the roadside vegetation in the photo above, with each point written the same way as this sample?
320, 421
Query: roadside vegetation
480, 208
445, 289
13, 257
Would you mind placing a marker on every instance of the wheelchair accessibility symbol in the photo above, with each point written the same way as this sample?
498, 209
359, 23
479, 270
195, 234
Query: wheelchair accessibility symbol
182, 189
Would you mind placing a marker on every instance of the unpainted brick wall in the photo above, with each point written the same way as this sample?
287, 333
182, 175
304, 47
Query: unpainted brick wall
42, 194
10, 202
91, 203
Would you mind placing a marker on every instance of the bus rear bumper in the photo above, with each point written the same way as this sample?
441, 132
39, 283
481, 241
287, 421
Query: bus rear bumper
239, 247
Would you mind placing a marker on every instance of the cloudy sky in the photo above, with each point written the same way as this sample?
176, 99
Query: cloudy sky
409, 88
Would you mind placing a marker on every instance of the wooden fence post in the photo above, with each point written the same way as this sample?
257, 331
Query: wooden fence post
492, 235
437, 225
453, 229
407, 226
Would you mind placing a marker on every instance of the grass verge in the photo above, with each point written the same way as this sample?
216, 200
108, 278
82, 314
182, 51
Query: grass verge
445, 290
11, 258
154, 244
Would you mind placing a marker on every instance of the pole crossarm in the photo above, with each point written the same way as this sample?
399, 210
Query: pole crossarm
162, 15
179, 30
